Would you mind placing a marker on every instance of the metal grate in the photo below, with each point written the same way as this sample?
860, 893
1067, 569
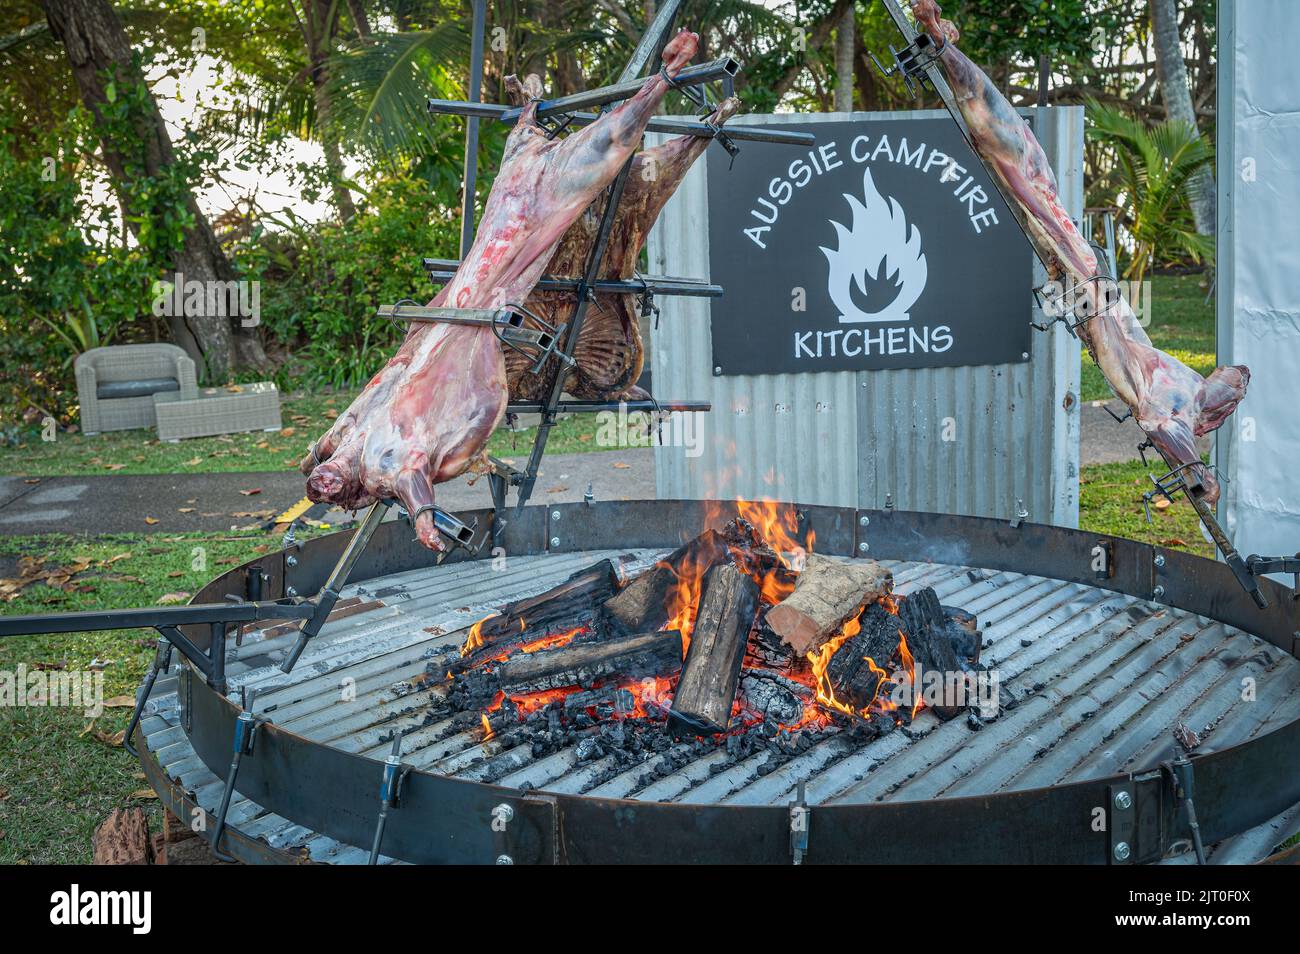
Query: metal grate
1092, 682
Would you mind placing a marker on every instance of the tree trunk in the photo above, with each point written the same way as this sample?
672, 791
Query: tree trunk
844, 50
1171, 72
95, 41
321, 22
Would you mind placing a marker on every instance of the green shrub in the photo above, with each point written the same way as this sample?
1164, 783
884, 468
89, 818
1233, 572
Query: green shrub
321, 283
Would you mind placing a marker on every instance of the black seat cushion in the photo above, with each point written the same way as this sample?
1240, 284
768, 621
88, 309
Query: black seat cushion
112, 390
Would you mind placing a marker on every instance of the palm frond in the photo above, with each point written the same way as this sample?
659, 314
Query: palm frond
378, 90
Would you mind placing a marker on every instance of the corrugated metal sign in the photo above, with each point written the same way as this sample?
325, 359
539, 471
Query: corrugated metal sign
986, 440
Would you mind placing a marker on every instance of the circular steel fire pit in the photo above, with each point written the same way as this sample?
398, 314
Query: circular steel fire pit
1102, 645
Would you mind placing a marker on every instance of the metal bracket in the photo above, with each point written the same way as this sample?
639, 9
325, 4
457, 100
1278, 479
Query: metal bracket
910, 61
1181, 776
247, 725
800, 819
1261, 566
1021, 515
1122, 822
390, 793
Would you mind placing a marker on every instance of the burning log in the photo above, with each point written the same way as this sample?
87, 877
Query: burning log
582, 664
703, 701
827, 595
964, 632
650, 601
563, 604
645, 603
862, 664
857, 669
927, 630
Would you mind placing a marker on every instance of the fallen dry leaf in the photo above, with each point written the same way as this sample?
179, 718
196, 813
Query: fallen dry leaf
250, 493
620, 465
175, 574
1174, 542
194, 462
559, 489
288, 431
170, 599
151, 520
120, 702
184, 509
143, 793
115, 739
1162, 504
114, 466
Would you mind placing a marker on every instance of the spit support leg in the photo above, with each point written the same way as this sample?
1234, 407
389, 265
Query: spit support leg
338, 578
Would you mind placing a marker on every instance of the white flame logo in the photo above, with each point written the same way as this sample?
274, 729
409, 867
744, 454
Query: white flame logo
881, 254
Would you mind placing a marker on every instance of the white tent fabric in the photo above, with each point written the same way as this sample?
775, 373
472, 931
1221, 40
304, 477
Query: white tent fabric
1259, 271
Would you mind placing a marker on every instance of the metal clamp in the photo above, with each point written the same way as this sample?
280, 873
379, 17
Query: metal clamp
912, 60
1056, 310
247, 725
390, 793
1173, 482
449, 525
800, 819
508, 323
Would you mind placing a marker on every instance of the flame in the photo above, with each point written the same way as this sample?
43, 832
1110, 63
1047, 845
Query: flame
550, 641
881, 248
777, 526
820, 660
475, 638
487, 729
909, 669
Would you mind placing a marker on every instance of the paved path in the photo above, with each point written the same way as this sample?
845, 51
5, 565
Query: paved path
1103, 441
213, 502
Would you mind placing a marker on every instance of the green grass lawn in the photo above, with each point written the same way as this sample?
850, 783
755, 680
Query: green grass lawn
62, 772
305, 418
1181, 323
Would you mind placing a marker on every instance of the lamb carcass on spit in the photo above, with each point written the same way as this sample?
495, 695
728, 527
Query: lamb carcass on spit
425, 418
1170, 402
609, 354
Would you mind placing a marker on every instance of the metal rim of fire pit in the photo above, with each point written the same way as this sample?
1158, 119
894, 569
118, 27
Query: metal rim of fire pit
441, 819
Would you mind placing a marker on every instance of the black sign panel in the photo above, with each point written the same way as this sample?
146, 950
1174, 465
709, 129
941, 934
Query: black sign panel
883, 246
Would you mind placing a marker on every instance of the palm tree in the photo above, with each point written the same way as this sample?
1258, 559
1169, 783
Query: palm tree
1154, 166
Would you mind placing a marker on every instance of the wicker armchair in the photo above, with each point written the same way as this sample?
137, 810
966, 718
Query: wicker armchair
117, 384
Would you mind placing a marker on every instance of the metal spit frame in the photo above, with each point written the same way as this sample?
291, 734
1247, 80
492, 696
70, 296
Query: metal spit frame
436, 819
560, 342
917, 63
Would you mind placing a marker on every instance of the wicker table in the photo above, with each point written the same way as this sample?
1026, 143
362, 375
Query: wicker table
228, 410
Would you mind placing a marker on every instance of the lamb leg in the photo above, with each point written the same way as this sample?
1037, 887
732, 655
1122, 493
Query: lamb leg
1170, 402
426, 416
